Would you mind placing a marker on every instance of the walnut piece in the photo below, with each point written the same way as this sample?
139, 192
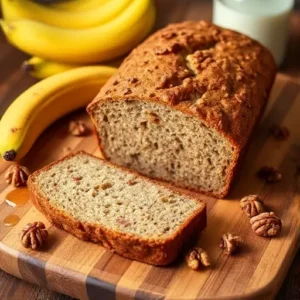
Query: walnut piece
17, 175
230, 243
34, 235
132, 181
106, 185
153, 118
280, 133
77, 179
78, 128
269, 174
197, 257
103, 186
252, 205
266, 224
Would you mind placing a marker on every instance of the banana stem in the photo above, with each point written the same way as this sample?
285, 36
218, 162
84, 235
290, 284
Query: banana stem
41, 68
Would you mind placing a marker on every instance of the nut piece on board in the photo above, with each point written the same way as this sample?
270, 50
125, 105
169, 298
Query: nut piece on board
197, 257
230, 243
17, 175
252, 205
266, 224
269, 174
280, 133
78, 128
34, 235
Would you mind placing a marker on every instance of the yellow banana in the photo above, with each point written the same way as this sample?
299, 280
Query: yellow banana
44, 103
101, 43
64, 18
78, 5
41, 68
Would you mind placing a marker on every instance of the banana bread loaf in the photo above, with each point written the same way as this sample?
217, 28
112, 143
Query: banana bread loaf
183, 105
127, 213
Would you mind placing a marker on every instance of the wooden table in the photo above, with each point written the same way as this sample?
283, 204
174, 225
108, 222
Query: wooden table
12, 82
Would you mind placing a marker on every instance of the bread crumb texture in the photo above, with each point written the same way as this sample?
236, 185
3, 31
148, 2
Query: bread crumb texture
94, 192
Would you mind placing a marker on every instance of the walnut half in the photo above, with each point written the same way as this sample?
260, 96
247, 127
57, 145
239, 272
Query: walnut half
34, 235
252, 205
230, 243
17, 175
197, 257
266, 224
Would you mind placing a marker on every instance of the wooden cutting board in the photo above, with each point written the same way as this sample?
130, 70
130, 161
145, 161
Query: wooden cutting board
87, 271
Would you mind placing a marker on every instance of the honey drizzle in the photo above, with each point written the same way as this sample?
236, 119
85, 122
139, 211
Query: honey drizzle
11, 220
17, 197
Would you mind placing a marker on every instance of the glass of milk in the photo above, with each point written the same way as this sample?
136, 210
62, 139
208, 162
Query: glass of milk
264, 20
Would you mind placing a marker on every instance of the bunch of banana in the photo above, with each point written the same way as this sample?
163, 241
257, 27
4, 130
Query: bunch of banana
44, 103
77, 32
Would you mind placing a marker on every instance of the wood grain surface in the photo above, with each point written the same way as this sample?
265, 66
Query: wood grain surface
12, 82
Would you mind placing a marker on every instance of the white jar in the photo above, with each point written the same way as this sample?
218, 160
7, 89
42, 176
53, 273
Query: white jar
264, 20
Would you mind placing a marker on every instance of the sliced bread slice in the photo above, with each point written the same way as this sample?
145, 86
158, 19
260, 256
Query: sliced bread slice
125, 212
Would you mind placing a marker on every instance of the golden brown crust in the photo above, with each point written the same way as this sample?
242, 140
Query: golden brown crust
217, 75
152, 251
